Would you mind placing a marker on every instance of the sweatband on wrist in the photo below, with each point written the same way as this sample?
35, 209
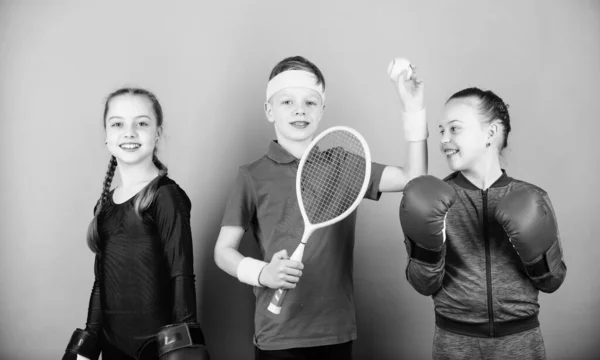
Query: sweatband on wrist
294, 78
415, 126
249, 270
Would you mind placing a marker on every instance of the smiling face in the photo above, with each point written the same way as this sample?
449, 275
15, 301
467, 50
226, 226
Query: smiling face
131, 129
464, 135
296, 113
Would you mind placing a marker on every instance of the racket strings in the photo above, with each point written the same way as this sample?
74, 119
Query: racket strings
332, 176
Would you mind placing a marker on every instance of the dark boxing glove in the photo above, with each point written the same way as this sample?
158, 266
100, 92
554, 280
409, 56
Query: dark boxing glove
82, 343
175, 342
529, 223
423, 211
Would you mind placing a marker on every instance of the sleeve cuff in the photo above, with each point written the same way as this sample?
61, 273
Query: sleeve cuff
249, 270
431, 257
373, 192
548, 262
415, 126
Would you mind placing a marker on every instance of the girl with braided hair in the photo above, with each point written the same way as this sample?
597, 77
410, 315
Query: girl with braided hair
141, 235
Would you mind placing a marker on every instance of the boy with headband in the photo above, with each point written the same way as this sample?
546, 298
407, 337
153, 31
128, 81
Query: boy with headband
317, 320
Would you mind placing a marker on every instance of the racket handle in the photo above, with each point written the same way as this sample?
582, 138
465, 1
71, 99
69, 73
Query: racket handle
277, 301
298, 253
279, 295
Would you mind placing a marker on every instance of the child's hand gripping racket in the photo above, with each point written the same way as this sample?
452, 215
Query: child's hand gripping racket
332, 179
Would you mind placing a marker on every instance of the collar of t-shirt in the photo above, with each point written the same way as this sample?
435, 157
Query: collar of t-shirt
278, 154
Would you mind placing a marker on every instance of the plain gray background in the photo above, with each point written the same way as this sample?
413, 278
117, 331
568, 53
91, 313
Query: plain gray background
208, 63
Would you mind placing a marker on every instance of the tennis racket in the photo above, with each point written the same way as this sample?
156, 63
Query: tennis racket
332, 179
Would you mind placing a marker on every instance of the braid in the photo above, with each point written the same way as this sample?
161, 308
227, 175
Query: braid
143, 201
110, 173
502, 111
162, 169
93, 238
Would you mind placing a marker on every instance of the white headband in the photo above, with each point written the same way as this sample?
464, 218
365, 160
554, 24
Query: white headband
294, 78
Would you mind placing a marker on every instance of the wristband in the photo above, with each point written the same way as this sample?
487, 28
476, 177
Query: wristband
415, 126
249, 270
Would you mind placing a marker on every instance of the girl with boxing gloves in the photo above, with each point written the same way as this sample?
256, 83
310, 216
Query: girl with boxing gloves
143, 302
481, 243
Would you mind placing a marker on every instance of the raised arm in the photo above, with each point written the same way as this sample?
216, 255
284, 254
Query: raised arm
411, 92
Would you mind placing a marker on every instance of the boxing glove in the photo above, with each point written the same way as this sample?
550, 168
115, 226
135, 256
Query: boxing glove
423, 211
175, 342
82, 343
529, 223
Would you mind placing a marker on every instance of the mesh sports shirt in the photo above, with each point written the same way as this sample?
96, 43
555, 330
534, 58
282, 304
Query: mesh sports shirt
144, 275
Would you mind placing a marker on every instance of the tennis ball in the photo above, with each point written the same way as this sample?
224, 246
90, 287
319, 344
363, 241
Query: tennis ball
397, 65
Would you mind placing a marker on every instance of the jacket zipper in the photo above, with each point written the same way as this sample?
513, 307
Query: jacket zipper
488, 263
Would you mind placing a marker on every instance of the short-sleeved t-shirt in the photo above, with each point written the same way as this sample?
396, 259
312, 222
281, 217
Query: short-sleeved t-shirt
320, 310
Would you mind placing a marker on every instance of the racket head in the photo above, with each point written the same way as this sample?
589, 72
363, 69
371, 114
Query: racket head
333, 176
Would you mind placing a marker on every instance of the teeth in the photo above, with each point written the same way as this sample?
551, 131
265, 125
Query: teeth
450, 152
130, 146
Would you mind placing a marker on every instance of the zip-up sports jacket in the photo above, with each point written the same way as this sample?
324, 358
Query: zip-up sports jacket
480, 286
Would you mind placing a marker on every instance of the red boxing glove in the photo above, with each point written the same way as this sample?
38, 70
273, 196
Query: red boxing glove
528, 222
82, 343
184, 341
423, 210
